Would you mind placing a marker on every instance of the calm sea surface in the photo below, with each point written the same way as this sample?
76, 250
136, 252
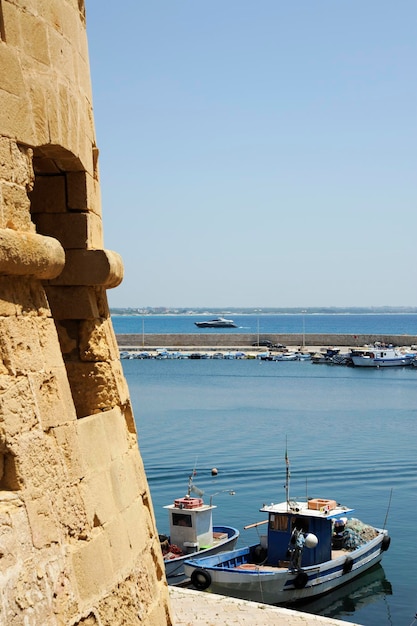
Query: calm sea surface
351, 437
291, 323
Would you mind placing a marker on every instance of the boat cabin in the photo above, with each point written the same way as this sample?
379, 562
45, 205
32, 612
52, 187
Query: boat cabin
290, 524
190, 524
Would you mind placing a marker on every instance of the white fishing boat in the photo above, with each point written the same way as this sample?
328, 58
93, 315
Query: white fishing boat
311, 548
381, 357
192, 532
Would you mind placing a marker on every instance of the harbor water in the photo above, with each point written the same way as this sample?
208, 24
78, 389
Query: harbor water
351, 436
344, 324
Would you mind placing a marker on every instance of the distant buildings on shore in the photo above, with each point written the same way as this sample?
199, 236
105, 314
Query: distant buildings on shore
160, 310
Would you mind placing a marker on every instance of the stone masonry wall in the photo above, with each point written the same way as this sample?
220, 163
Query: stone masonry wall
78, 542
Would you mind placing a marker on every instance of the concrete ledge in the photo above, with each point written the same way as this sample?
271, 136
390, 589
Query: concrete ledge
199, 608
245, 340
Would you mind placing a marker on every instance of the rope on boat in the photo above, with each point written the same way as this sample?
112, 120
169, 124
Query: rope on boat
260, 584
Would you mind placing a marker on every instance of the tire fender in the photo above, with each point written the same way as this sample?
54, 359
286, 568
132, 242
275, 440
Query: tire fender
385, 543
347, 565
201, 579
301, 580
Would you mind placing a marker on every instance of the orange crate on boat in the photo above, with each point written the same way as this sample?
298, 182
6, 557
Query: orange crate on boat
188, 503
320, 504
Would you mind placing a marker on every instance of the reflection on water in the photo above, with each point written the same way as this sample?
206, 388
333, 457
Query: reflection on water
361, 591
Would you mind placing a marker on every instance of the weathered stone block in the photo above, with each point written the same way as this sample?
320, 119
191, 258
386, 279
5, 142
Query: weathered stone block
72, 303
93, 442
48, 340
34, 32
124, 482
136, 516
22, 165
35, 450
97, 494
15, 535
97, 340
120, 549
19, 345
67, 439
92, 566
6, 166
15, 208
18, 411
70, 512
53, 397
116, 432
10, 71
77, 191
49, 194
73, 230
42, 520
68, 337
11, 15
37, 94
61, 51
95, 387
8, 305
15, 113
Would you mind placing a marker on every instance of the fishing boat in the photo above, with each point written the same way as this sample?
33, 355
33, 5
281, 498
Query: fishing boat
311, 547
218, 322
192, 532
381, 357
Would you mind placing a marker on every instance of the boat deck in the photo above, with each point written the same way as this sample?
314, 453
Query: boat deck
283, 565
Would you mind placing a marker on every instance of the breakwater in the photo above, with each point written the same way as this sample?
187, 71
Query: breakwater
247, 339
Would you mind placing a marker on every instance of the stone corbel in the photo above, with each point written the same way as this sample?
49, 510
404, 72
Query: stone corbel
29, 254
102, 268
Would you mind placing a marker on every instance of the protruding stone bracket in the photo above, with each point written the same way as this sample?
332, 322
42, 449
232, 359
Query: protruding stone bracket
102, 268
28, 254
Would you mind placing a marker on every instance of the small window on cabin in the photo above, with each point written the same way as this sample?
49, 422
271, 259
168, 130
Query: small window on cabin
278, 522
301, 523
181, 519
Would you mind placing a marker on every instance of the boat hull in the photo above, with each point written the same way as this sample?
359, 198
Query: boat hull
275, 585
365, 361
174, 568
215, 325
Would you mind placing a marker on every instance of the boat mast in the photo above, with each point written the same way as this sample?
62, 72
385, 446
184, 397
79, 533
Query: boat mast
287, 475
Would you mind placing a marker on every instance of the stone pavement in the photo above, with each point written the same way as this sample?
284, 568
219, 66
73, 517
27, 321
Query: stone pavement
199, 608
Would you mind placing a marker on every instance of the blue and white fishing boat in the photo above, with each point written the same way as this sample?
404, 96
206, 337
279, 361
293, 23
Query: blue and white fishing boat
311, 548
192, 532
381, 357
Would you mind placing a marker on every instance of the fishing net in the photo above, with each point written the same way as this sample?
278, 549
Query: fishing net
357, 533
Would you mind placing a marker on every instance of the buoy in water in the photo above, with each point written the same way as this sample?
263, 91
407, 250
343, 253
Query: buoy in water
214, 471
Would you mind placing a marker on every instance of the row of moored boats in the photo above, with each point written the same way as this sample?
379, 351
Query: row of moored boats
369, 356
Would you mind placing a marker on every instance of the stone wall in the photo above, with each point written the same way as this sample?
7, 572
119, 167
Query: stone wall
244, 340
78, 542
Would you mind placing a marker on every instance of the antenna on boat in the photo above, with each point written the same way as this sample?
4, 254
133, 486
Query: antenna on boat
287, 474
190, 479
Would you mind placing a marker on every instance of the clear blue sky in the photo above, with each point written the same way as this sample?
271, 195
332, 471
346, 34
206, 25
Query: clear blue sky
258, 153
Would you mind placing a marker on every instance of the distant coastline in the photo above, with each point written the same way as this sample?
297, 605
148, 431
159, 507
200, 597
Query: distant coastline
385, 310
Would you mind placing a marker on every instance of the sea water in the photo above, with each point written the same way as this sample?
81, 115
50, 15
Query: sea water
383, 324
350, 435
